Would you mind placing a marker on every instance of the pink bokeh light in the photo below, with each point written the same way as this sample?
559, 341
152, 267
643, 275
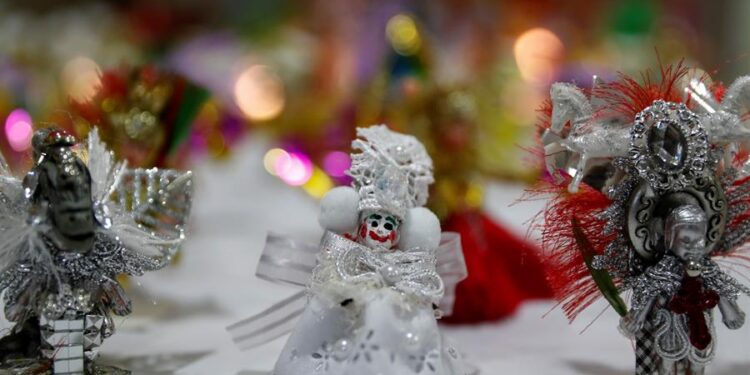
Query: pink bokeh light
293, 168
18, 129
335, 163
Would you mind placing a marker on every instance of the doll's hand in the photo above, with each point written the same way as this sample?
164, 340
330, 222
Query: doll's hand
735, 323
731, 315
630, 324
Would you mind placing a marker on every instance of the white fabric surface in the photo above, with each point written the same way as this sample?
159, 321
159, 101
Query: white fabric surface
236, 202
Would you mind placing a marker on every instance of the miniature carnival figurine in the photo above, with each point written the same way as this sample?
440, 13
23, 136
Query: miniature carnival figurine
655, 214
674, 298
74, 223
382, 276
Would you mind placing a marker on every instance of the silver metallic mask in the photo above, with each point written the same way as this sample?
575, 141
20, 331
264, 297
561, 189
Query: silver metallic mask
60, 189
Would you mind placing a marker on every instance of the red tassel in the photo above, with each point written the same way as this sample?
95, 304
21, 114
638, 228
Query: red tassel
566, 270
504, 270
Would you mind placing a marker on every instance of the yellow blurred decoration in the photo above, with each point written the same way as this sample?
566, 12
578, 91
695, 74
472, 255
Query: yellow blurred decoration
318, 184
81, 78
403, 34
474, 195
259, 93
217, 146
209, 113
538, 53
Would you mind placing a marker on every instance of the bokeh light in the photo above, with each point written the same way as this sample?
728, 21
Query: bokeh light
259, 93
538, 53
293, 168
403, 34
336, 163
81, 78
271, 158
18, 130
318, 184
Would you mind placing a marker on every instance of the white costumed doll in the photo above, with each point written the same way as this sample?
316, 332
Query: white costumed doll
381, 277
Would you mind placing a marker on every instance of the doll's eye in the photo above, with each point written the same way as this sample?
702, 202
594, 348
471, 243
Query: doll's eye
391, 220
374, 224
388, 226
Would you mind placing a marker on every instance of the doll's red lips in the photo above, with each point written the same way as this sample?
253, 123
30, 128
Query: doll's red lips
375, 237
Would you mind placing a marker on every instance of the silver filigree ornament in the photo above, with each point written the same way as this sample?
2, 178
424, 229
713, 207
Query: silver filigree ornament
668, 146
646, 210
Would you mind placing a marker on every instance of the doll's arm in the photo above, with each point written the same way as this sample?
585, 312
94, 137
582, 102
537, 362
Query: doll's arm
729, 289
634, 320
731, 314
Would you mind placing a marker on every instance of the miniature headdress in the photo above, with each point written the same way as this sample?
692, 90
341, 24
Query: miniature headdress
50, 137
391, 171
46, 139
688, 214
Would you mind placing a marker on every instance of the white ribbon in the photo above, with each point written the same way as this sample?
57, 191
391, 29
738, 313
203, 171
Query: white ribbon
432, 277
411, 271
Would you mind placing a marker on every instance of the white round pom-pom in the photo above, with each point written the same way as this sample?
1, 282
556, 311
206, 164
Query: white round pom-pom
339, 210
421, 228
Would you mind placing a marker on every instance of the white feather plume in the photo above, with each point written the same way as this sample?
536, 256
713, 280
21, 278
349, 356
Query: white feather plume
105, 171
139, 239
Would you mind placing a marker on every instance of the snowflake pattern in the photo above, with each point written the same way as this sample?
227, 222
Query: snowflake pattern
323, 357
366, 349
424, 363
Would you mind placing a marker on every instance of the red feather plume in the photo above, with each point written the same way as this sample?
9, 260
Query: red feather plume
628, 96
566, 270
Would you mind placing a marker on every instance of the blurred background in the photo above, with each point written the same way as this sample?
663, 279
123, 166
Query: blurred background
261, 99
186, 80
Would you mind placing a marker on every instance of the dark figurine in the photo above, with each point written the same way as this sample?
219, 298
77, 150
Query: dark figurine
77, 221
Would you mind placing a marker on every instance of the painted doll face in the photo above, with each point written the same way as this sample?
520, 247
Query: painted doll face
378, 230
688, 241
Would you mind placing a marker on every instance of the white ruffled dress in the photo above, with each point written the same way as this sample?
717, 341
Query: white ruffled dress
369, 313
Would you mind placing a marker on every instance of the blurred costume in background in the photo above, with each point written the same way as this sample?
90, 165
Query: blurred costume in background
384, 274
68, 229
454, 122
504, 269
657, 205
144, 114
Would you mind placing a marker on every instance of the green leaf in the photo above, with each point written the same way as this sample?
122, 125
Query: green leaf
192, 99
602, 278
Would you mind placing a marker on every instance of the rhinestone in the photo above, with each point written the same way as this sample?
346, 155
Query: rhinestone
667, 143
